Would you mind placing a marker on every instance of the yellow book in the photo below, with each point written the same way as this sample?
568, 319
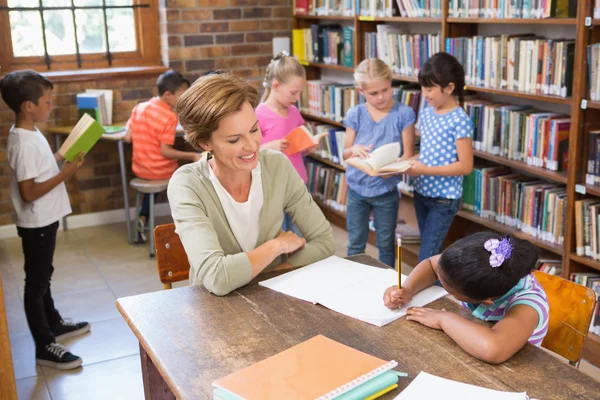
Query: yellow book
298, 44
382, 392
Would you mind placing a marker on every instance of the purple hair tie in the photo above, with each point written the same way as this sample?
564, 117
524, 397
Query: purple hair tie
501, 250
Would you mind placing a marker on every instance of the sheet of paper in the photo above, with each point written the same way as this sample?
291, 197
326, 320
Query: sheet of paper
427, 386
363, 299
317, 280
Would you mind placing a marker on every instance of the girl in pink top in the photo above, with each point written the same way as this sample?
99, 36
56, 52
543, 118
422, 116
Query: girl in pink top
277, 114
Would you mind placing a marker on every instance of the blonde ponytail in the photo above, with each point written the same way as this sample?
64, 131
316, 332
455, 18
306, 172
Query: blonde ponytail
281, 68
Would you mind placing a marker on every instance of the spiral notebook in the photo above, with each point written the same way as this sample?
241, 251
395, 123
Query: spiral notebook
349, 288
319, 368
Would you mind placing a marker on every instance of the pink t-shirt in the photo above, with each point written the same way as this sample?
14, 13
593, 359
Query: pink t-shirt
273, 126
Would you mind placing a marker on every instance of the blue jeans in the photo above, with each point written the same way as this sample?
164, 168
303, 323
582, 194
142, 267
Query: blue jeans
288, 225
434, 216
145, 210
385, 213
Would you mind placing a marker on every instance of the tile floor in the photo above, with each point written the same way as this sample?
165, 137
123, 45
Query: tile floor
94, 267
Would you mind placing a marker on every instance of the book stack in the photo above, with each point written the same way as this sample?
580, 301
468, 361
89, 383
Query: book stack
592, 176
327, 44
327, 185
520, 133
328, 99
98, 104
591, 280
523, 63
404, 53
549, 266
326, 7
530, 205
512, 9
319, 368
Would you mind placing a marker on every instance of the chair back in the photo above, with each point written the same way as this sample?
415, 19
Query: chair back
173, 264
571, 310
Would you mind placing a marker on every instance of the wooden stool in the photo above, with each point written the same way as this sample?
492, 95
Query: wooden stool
143, 186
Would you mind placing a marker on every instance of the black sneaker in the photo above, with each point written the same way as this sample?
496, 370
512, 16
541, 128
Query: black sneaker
67, 329
56, 356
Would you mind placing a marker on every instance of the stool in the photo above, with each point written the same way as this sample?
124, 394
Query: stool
151, 187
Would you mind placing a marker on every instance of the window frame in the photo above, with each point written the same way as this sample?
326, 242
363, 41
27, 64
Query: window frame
147, 43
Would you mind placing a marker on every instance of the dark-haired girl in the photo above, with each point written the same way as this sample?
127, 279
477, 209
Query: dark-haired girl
491, 276
446, 151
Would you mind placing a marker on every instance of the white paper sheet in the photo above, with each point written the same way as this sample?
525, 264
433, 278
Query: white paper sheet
427, 386
350, 288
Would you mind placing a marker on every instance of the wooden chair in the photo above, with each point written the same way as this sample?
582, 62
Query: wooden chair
173, 264
571, 310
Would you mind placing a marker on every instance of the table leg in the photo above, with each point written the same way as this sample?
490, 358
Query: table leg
155, 387
124, 183
57, 142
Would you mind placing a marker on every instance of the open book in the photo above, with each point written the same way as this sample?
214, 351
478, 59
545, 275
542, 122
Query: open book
350, 288
301, 139
82, 138
427, 386
381, 161
319, 368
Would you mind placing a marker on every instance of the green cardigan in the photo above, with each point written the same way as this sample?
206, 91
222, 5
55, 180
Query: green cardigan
216, 259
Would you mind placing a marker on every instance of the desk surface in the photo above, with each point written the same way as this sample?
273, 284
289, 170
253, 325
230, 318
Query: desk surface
194, 338
65, 130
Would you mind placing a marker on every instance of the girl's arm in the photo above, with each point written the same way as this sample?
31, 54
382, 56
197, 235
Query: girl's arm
353, 150
408, 142
420, 278
494, 344
464, 165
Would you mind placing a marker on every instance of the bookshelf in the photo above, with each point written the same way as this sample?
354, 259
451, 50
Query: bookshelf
582, 120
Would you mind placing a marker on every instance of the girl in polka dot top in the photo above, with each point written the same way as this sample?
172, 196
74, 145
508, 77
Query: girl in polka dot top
381, 120
446, 151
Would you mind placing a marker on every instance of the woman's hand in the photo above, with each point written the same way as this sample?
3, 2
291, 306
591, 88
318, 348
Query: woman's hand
427, 316
358, 150
290, 242
279, 145
393, 297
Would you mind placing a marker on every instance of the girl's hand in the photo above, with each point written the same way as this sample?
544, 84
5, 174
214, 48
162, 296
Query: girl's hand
417, 169
393, 297
358, 150
312, 149
279, 145
427, 316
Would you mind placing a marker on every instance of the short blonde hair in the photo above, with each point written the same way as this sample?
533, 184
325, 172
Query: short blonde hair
282, 67
210, 99
371, 70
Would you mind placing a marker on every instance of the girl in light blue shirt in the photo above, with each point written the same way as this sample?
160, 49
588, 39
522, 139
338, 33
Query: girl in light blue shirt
381, 120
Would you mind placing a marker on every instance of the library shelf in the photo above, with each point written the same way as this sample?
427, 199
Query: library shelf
327, 17
590, 262
529, 96
528, 21
554, 176
593, 190
334, 67
321, 119
593, 104
401, 19
326, 161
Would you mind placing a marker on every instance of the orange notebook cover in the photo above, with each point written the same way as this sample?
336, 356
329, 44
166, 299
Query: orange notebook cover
301, 139
319, 368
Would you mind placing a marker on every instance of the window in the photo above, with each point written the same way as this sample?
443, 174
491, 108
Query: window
78, 34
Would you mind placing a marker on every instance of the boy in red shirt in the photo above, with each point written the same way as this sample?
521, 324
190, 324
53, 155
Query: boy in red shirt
152, 128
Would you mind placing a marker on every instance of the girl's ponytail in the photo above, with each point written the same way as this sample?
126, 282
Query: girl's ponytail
281, 68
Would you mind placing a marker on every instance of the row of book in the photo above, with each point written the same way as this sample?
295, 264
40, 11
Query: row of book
98, 103
593, 64
370, 8
551, 267
327, 185
326, 99
520, 133
592, 176
330, 147
512, 9
532, 206
404, 53
587, 228
592, 281
328, 44
523, 63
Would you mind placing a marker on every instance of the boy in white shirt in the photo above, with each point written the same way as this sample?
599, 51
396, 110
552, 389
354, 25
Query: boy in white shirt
40, 198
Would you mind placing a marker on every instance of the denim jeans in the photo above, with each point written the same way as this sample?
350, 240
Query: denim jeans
288, 225
38, 249
385, 213
434, 216
145, 210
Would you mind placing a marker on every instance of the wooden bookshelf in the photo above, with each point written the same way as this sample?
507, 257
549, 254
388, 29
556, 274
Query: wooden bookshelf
333, 67
328, 121
327, 162
581, 120
327, 17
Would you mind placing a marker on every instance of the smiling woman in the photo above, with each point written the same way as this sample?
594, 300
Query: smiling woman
228, 207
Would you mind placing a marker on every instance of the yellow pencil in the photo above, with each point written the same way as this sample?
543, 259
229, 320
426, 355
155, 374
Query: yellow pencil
399, 250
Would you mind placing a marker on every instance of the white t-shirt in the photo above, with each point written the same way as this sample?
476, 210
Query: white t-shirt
242, 217
30, 156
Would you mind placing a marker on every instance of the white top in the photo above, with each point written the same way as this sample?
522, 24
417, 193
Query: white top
242, 217
30, 156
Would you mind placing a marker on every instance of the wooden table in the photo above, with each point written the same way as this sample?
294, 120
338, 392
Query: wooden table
189, 338
119, 139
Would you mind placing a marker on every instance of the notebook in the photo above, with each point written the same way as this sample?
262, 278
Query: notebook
82, 138
301, 139
319, 368
350, 288
427, 386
